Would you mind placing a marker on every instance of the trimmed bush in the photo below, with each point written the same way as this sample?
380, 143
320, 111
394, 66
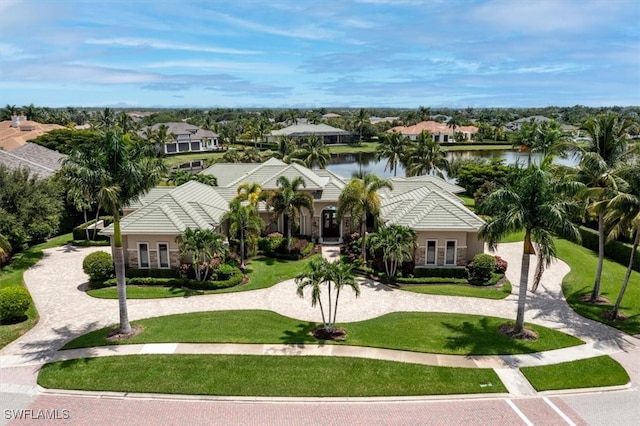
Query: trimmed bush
14, 302
152, 273
274, 245
441, 273
481, 267
431, 280
236, 279
99, 266
501, 265
225, 272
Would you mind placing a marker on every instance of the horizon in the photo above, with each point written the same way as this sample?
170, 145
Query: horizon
377, 54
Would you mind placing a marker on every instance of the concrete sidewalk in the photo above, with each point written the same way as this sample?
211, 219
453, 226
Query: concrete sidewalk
67, 312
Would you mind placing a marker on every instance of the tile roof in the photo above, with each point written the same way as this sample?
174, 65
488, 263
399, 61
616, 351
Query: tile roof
41, 161
433, 127
310, 129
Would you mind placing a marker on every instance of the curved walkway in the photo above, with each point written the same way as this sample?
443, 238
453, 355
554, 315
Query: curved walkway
66, 312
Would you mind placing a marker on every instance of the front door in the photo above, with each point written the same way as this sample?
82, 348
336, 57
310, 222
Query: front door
330, 225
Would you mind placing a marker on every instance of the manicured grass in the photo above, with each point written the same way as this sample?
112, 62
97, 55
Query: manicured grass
12, 275
353, 149
456, 334
579, 282
252, 375
461, 290
263, 272
585, 373
469, 202
176, 160
480, 147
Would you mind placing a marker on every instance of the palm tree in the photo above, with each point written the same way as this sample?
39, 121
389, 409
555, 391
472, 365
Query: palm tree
180, 177
232, 156
202, 245
360, 199
609, 136
252, 193
392, 147
527, 138
397, 243
287, 200
286, 148
313, 152
32, 112
340, 273
251, 155
127, 170
552, 141
105, 119
425, 156
360, 120
454, 121
623, 215
314, 277
124, 122
243, 220
541, 206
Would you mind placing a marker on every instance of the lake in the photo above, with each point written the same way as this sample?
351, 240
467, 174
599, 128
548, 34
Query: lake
347, 165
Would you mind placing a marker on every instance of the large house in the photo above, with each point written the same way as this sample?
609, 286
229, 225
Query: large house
188, 138
447, 231
441, 132
329, 134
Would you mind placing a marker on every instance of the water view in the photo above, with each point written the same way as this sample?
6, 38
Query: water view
348, 165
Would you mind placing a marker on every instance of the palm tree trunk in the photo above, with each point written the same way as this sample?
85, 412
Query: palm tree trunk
363, 231
97, 218
288, 235
242, 265
527, 251
616, 306
596, 285
118, 259
329, 325
86, 228
335, 311
324, 321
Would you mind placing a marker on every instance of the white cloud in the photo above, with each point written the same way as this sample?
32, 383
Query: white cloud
163, 45
9, 52
311, 32
257, 67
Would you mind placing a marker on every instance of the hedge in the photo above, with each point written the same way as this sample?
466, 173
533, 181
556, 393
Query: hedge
441, 273
430, 280
152, 273
614, 250
174, 282
79, 232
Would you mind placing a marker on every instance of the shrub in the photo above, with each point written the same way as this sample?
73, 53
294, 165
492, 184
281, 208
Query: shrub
226, 272
481, 267
14, 302
175, 282
274, 245
441, 272
431, 280
99, 266
152, 273
501, 265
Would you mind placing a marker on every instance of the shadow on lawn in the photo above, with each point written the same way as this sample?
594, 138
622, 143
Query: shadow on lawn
301, 335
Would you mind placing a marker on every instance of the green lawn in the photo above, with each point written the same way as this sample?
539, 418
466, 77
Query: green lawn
263, 272
250, 375
12, 275
586, 373
461, 290
579, 282
456, 334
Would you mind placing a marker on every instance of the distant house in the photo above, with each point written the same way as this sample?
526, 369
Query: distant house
19, 130
447, 231
42, 162
514, 126
441, 132
330, 135
188, 138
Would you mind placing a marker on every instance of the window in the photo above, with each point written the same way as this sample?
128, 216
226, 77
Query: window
143, 255
430, 258
450, 253
163, 255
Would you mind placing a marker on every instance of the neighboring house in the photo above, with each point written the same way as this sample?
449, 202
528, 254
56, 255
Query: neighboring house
375, 120
42, 162
514, 126
441, 132
330, 135
188, 138
17, 131
447, 231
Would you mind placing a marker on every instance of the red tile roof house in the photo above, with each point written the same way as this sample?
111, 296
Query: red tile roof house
441, 132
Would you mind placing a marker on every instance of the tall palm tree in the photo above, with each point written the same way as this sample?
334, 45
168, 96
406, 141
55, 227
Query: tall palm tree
202, 245
552, 141
245, 221
105, 119
314, 277
541, 206
286, 148
124, 122
341, 275
609, 136
127, 170
527, 137
32, 112
425, 156
360, 120
313, 152
180, 177
360, 199
453, 123
623, 215
392, 147
251, 155
252, 193
397, 243
287, 201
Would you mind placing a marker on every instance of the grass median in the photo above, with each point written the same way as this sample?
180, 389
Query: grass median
441, 333
585, 373
250, 375
462, 290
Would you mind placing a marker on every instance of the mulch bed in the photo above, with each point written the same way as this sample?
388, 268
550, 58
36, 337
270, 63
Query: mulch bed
116, 336
322, 334
601, 300
525, 334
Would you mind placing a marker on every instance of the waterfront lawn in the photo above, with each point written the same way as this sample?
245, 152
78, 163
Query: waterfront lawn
263, 272
12, 275
253, 375
455, 334
461, 290
585, 373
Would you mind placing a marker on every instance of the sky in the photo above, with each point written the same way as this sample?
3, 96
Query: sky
320, 53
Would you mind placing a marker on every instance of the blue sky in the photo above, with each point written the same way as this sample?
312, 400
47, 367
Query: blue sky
304, 53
